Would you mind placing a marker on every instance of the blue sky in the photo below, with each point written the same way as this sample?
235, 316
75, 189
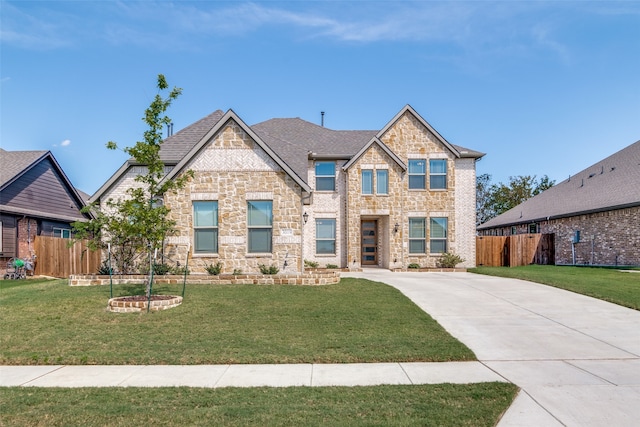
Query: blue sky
544, 88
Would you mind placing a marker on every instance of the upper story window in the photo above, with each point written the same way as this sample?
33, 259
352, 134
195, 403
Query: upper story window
325, 176
205, 226
65, 233
367, 181
438, 235
382, 181
438, 174
260, 226
417, 174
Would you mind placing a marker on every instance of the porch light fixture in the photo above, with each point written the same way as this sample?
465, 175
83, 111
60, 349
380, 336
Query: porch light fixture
396, 227
305, 217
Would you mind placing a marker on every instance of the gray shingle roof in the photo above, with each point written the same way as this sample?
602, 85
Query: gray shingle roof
174, 148
611, 183
294, 139
14, 163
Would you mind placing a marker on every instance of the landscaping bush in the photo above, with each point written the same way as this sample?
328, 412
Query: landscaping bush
214, 269
310, 264
449, 260
180, 271
414, 265
332, 266
104, 269
237, 271
161, 269
272, 269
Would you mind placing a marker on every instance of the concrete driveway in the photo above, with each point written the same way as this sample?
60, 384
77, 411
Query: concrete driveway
576, 359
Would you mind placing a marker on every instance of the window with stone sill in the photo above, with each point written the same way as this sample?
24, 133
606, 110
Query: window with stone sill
325, 236
438, 235
205, 227
260, 226
417, 174
438, 174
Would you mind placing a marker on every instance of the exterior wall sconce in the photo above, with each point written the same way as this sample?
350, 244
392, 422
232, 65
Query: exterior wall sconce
396, 227
305, 217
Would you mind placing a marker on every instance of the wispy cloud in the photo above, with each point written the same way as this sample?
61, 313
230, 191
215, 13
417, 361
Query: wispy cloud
65, 143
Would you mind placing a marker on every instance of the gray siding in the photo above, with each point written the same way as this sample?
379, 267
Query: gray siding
41, 189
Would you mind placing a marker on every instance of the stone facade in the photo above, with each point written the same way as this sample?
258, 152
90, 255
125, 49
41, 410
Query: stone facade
233, 168
606, 238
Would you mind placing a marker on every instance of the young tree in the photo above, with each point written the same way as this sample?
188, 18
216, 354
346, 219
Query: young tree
139, 222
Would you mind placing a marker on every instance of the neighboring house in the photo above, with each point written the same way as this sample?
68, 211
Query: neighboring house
36, 198
595, 214
286, 190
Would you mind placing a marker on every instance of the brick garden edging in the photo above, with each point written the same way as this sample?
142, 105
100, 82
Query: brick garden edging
117, 305
311, 278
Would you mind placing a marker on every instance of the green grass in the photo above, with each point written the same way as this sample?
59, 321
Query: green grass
354, 321
425, 405
607, 284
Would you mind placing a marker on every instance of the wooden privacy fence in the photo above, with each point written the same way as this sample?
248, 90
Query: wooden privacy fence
55, 258
516, 250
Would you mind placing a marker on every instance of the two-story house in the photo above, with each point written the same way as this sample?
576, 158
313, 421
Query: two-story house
286, 190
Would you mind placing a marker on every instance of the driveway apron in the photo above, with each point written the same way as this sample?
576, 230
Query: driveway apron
575, 358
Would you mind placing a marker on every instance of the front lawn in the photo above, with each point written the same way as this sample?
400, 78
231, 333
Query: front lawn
354, 321
608, 284
425, 405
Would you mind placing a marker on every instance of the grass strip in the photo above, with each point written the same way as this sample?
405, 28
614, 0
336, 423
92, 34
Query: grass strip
354, 321
426, 405
617, 286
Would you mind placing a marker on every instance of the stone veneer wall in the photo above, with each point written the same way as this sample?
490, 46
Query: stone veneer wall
232, 169
606, 238
409, 139
387, 209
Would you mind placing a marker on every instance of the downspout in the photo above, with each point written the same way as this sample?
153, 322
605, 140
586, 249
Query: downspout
402, 223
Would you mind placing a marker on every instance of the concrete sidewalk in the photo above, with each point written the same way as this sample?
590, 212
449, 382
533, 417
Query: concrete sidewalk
577, 359
214, 376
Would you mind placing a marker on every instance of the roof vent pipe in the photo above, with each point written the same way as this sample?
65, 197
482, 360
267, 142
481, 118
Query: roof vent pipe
322, 118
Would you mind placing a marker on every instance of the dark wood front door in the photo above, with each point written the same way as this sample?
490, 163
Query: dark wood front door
369, 242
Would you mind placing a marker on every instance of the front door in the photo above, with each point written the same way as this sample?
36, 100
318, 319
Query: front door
369, 242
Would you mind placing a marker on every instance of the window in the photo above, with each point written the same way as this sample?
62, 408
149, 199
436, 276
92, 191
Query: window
205, 226
325, 236
259, 223
513, 230
533, 228
382, 181
417, 242
438, 235
417, 174
0, 236
64, 233
438, 174
325, 176
367, 181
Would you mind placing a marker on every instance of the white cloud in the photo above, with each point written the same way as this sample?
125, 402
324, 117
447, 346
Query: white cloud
65, 143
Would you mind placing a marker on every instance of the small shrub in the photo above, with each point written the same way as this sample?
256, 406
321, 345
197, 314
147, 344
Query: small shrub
161, 269
332, 266
104, 269
237, 271
414, 265
449, 260
214, 269
272, 269
310, 264
179, 271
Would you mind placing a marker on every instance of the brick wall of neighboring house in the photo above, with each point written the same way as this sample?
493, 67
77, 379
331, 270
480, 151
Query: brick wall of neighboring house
606, 238
27, 231
409, 139
233, 169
